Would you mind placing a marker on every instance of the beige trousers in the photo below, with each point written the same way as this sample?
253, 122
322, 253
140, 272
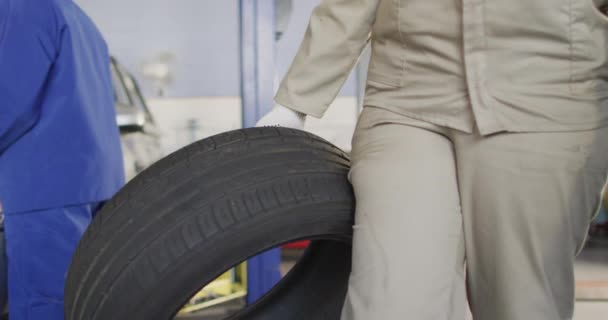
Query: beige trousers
518, 204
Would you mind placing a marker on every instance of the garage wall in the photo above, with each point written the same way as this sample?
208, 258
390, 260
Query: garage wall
203, 36
183, 120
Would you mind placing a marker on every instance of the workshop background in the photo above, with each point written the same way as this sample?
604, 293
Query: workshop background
209, 66
187, 58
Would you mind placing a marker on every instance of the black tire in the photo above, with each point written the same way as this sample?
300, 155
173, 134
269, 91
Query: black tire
209, 206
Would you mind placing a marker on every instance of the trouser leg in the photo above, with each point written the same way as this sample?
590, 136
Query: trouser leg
40, 245
408, 247
527, 203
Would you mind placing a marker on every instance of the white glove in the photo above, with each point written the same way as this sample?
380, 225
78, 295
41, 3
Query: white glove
283, 117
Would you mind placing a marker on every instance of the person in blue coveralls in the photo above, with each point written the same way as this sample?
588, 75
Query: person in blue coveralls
60, 155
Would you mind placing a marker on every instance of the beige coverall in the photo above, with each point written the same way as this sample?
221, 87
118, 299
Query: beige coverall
485, 132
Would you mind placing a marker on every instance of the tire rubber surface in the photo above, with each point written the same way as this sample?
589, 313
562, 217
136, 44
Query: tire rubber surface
207, 207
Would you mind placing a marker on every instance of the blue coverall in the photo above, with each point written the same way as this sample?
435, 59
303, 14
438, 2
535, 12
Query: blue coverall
60, 155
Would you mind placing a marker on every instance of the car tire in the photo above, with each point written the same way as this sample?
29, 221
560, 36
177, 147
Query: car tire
207, 207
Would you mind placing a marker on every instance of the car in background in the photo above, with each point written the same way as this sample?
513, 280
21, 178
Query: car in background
139, 133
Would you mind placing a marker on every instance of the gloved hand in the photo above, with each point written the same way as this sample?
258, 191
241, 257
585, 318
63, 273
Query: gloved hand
283, 117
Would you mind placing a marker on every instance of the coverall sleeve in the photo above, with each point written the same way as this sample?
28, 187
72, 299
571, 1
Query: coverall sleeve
336, 36
26, 56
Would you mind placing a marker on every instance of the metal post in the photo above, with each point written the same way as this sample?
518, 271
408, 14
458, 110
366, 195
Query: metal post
257, 19
257, 58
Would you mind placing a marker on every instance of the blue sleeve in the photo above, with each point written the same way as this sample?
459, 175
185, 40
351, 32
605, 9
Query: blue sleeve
26, 56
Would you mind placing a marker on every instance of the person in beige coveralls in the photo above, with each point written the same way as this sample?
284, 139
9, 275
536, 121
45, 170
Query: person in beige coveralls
484, 133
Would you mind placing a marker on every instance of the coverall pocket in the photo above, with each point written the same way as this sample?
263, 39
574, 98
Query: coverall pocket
385, 68
367, 278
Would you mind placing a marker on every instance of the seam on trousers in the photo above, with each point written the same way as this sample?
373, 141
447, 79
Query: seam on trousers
460, 274
383, 263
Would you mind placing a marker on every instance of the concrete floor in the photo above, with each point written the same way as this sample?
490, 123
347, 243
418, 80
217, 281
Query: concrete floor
585, 310
591, 310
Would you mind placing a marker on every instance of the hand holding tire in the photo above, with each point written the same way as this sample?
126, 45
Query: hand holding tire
283, 117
